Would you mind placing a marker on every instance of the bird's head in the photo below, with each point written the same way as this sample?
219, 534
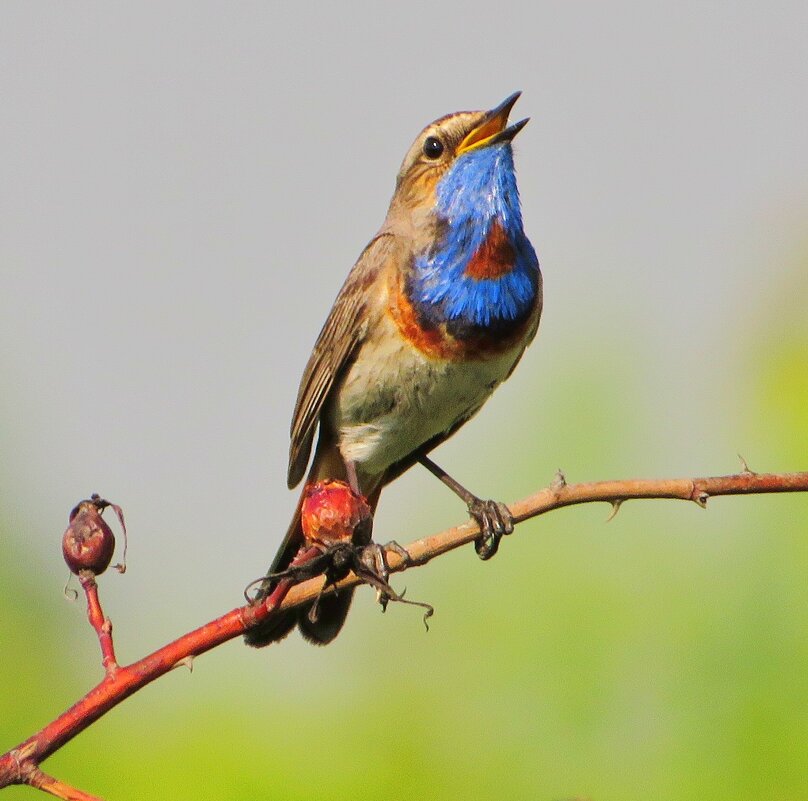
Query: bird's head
458, 159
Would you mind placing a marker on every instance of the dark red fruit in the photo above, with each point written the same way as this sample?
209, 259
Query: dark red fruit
332, 512
88, 543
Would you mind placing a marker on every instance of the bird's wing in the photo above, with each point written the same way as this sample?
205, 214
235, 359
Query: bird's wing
344, 330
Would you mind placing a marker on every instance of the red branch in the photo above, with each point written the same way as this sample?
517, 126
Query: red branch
21, 764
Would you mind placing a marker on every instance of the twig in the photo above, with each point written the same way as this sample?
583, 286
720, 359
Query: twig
560, 494
100, 623
21, 764
55, 787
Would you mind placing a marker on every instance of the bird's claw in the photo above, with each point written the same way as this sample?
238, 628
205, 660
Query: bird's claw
373, 558
371, 566
369, 562
495, 521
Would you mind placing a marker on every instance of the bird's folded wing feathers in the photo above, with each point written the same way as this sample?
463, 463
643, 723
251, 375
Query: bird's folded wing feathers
344, 330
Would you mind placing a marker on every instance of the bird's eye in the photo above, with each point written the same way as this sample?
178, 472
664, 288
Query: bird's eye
433, 147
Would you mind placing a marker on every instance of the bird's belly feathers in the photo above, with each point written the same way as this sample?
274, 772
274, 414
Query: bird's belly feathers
394, 398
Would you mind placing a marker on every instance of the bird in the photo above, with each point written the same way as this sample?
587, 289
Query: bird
432, 318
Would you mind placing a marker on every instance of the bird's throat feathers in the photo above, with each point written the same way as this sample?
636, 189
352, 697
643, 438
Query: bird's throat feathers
481, 272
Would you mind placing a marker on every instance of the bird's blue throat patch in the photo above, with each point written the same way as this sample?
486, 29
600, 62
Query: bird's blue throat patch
483, 272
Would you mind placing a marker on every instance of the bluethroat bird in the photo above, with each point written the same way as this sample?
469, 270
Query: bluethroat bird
433, 317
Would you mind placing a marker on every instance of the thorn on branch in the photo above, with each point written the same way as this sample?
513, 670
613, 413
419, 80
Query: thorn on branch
560, 480
745, 467
187, 661
615, 509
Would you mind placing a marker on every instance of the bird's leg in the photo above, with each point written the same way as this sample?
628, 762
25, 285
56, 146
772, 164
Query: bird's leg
493, 517
350, 473
334, 561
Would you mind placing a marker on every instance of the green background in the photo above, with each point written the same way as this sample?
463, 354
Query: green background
664, 654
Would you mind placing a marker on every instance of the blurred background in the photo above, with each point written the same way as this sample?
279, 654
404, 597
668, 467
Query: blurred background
185, 186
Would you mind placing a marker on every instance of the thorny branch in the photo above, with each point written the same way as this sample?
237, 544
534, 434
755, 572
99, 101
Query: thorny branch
20, 765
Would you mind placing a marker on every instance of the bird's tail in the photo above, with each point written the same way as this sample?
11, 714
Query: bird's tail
277, 626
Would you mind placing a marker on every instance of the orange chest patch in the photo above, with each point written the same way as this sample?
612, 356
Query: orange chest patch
432, 341
494, 258
438, 342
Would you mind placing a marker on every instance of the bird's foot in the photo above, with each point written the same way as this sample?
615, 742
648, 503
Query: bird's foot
371, 566
495, 521
493, 517
303, 567
334, 561
371, 562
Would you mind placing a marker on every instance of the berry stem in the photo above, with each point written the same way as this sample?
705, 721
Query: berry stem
100, 623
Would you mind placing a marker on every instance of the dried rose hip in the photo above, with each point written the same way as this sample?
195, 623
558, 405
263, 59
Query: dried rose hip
88, 543
332, 512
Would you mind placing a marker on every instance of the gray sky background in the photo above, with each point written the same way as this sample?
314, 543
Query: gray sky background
185, 186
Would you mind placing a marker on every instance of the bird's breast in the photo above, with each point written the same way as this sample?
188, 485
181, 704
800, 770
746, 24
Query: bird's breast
447, 328
396, 396
439, 337
473, 308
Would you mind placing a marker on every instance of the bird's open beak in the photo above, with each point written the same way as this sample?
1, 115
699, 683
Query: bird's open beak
493, 127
